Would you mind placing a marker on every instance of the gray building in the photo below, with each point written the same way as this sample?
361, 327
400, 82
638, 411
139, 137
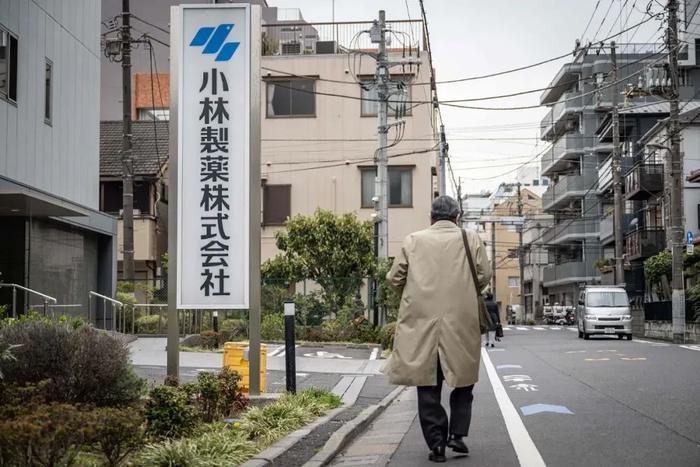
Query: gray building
579, 97
535, 259
54, 238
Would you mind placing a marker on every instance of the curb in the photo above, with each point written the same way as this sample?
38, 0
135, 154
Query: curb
346, 433
267, 457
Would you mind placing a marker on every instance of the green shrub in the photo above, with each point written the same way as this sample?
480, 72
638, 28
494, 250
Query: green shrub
272, 327
118, 432
81, 365
149, 324
168, 413
217, 393
46, 435
386, 335
233, 329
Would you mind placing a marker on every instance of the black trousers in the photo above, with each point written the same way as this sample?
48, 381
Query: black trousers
432, 415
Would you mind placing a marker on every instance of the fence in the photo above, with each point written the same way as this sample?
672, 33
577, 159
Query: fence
300, 38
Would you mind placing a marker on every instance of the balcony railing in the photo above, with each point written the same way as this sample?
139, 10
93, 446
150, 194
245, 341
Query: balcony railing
568, 186
644, 180
556, 118
570, 230
570, 272
569, 146
644, 243
605, 176
607, 227
300, 38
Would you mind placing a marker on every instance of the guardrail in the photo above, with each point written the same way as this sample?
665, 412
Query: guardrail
47, 298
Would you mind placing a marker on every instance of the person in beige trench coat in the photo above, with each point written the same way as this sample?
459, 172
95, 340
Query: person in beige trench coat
437, 331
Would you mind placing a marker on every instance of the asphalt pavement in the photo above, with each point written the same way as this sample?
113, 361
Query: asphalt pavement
546, 397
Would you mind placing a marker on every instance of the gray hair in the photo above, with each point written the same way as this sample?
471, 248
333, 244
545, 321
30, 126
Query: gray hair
444, 208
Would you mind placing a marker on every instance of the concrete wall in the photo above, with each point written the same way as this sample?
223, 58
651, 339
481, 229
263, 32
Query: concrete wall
664, 330
61, 158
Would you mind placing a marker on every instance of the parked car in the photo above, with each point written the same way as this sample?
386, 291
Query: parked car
604, 310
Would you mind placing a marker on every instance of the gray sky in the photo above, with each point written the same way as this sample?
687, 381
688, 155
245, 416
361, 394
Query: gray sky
470, 38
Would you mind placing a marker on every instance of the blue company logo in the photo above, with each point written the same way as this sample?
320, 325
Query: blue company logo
213, 41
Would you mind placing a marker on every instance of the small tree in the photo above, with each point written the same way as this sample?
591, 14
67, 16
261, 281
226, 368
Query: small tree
333, 250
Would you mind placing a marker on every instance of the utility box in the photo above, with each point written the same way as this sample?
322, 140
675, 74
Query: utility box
236, 357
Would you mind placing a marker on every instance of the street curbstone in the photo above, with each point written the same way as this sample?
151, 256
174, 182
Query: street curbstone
267, 457
346, 433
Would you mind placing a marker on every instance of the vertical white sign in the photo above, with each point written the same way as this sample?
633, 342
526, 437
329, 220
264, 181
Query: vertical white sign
213, 157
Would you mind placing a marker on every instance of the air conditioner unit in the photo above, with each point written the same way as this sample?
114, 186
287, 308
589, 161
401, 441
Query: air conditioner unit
290, 48
325, 47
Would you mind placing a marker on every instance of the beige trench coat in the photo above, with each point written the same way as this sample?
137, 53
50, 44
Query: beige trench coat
438, 314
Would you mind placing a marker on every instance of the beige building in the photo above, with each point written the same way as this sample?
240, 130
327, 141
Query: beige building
505, 248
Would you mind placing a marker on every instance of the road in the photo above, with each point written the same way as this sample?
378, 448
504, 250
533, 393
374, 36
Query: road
546, 397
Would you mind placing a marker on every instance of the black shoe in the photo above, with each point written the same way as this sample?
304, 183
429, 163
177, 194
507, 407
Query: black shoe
437, 454
492, 345
457, 445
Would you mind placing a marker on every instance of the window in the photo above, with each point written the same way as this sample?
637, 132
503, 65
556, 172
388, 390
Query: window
47, 91
291, 98
398, 107
400, 186
513, 281
8, 65
149, 113
277, 204
112, 201
535, 182
545, 182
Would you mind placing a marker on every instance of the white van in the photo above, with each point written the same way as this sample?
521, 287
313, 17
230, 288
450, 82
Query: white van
604, 310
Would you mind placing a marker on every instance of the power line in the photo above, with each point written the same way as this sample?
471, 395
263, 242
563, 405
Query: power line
590, 19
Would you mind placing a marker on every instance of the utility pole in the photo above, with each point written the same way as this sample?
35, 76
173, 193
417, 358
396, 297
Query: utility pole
443, 161
459, 200
493, 259
127, 156
521, 261
678, 293
617, 175
381, 202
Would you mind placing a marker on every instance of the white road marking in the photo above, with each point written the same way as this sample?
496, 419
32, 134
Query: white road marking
555, 328
524, 447
375, 352
521, 329
597, 359
496, 350
516, 378
276, 351
576, 351
507, 329
600, 351
634, 359
503, 367
691, 347
573, 329
525, 387
539, 329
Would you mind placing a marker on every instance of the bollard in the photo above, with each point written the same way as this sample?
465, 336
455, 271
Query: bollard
215, 321
289, 344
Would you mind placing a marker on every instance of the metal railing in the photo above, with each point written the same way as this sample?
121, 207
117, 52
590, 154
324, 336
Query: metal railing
301, 38
47, 298
104, 299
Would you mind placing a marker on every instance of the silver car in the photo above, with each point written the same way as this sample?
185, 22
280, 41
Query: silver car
604, 310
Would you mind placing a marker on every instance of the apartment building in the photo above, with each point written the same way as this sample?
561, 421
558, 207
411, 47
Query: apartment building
535, 258
579, 98
54, 238
319, 118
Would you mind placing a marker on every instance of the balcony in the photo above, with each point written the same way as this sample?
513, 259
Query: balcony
568, 187
145, 239
568, 230
562, 81
302, 38
607, 227
644, 243
571, 272
555, 121
568, 147
643, 181
605, 176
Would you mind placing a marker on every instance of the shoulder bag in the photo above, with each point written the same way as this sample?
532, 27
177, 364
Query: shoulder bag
485, 322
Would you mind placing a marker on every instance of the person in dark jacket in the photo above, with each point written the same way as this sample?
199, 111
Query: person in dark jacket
492, 308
